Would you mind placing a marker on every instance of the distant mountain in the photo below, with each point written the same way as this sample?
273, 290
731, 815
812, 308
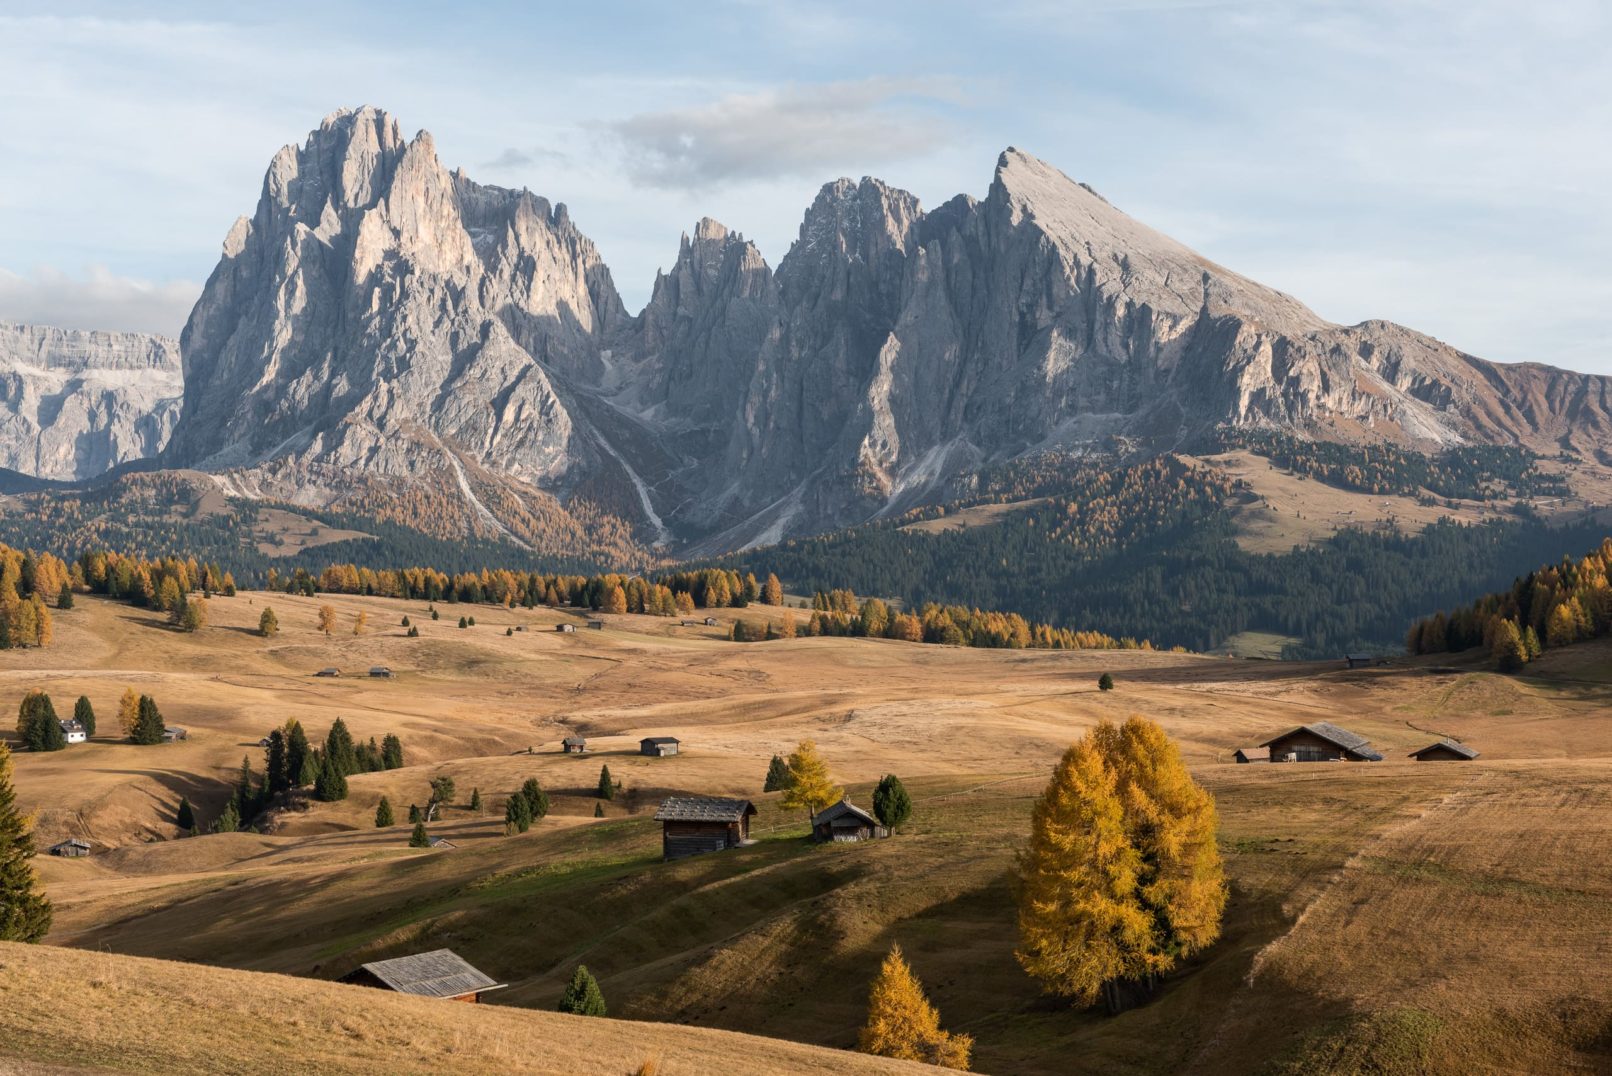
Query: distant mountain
387, 334
75, 404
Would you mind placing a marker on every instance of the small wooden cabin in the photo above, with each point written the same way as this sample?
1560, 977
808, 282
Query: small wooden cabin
1320, 742
710, 621
565, 627
658, 746
1358, 661
173, 734
328, 672
689, 624
380, 671
691, 825
440, 842
845, 821
1445, 750
441, 973
73, 730
596, 625
72, 848
574, 745
1251, 754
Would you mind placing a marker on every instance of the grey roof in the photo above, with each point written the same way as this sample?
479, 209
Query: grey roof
1459, 748
1331, 733
1359, 657
573, 740
659, 739
840, 810
72, 724
703, 809
72, 842
441, 973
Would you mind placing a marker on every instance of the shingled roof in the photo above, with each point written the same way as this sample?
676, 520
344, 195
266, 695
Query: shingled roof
1450, 745
840, 809
441, 973
1351, 742
703, 809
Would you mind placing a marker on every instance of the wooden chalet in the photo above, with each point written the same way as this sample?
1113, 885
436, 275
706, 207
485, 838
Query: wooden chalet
441, 973
73, 730
1358, 661
710, 621
658, 746
1251, 754
845, 821
173, 734
565, 627
1320, 742
1445, 750
328, 672
72, 848
691, 825
574, 745
596, 625
380, 671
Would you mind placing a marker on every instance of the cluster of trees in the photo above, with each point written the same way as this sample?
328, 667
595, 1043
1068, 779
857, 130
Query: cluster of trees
25, 911
1471, 472
1121, 879
164, 583
291, 763
525, 807
955, 625
804, 779
29, 584
1553, 606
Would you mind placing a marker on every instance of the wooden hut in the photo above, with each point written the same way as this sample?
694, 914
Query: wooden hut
574, 745
565, 627
658, 746
1320, 742
691, 825
845, 821
1251, 754
441, 973
596, 625
173, 734
1358, 661
1445, 750
710, 621
380, 671
328, 672
72, 848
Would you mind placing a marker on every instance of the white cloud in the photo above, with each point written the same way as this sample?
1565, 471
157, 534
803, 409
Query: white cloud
99, 299
788, 131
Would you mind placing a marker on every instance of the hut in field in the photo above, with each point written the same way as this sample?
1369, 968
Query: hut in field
691, 825
441, 973
658, 746
173, 734
440, 842
328, 672
381, 671
1358, 661
574, 745
1320, 742
565, 627
1251, 754
72, 848
73, 730
845, 821
1444, 750
710, 621
596, 625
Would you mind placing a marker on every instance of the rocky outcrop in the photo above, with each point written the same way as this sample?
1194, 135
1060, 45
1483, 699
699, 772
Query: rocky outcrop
381, 317
74, 404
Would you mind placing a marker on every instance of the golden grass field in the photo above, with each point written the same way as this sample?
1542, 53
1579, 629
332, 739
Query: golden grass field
1392, 917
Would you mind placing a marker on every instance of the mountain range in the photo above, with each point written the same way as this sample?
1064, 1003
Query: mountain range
383, 333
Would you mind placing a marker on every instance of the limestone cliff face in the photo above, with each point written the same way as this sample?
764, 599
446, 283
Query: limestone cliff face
75, 404
381, 319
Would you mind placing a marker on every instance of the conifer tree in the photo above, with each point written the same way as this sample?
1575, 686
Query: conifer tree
274, 763
148, 726
244, 803
517, 815
193, 616
84, 714
268, 624
442, 792
339, 748
185, 817
537, 801
891, 803
903, 1024
37, 723
810, 787
464, 622
772, 592
391, 752
229, 821
1105, 682
25, 913
475, 800
1508, 650
64, 600
1121, 878
607, 787
128, 712
405, 623
331, 784
615, 600
414, 813
582, 996
777, 775
419, 838
360, 620
383, 813
299, 769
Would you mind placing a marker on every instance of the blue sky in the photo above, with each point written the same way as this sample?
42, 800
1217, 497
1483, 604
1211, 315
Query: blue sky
1442, 164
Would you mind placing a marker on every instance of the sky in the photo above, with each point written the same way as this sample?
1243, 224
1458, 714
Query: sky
1442, 164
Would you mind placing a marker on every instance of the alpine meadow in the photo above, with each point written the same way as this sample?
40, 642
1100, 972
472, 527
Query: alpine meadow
455, 630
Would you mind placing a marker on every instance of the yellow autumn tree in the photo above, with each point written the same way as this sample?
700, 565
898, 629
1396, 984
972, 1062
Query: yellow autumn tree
1121, 878
360, 619
327, 618
809, 784
128, 712
615, 600
903, 1024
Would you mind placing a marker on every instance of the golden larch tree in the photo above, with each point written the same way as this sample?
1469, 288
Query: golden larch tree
903, 1024
809, 784
327, 619
128, 712
360, 619
1121, 878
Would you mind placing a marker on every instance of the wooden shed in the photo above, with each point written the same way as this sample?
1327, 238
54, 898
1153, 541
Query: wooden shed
173, 734
658, 746
1320, 742
710, 621
1251, 754
845, 821
596, 625
380, 671
72, 848
328, 672
691, 825
441, 973
574, 745
565, 627
1445, 750
1358, 661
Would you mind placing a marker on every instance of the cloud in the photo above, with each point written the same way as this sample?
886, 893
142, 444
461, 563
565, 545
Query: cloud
98, 300
795, 130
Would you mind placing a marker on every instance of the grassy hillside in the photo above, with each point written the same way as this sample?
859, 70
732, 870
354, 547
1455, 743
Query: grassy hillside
1349, 946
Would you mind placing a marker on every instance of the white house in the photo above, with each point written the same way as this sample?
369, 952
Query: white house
74, 731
